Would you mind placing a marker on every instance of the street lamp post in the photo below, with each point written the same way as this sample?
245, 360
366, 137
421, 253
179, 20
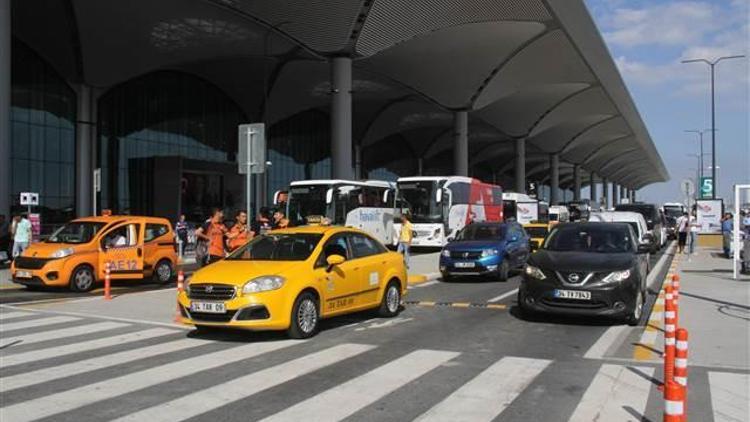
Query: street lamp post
700, 140
713, 64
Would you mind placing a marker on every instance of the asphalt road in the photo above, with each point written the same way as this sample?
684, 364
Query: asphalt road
457, 352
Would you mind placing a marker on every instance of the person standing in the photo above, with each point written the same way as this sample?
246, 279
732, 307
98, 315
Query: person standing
239, 234
22, 236
727, 225
182, 234
682, 225
405, 237
278, 217
694, 229
262, 223
212, 233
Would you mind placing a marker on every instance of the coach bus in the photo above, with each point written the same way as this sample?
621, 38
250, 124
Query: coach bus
524, 209
441, 206
366, 205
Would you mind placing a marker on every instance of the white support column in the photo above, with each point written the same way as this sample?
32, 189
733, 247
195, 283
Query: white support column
341, 118
520, 165
605, 192
592, 189
554, 182
461, 143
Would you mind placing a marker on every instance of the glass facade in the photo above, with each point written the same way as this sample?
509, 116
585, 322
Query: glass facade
166, 114
300, 149
43, 116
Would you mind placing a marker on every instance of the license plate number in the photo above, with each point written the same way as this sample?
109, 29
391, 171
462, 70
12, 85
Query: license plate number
23, 274
464, 265
573, 294
208, 307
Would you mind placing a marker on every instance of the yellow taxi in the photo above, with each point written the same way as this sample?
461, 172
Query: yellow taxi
537, 232
292, 278
77, 254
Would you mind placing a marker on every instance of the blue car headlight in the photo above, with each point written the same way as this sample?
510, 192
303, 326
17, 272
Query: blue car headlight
445, 253
489, 252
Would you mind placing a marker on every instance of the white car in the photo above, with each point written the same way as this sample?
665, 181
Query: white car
636, 220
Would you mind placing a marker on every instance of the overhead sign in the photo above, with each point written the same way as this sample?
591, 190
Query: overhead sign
29, 198
707, 187
251, 148
709, 215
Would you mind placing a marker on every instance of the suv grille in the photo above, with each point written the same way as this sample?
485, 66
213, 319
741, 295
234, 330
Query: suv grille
212, 291
466, 254
29, 263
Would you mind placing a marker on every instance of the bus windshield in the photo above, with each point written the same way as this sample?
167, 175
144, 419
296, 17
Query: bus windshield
419, 198
673, 211
307, 201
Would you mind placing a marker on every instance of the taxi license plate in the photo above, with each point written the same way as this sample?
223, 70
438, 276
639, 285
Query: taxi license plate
208, 307
23, 274
573, 294
464, 264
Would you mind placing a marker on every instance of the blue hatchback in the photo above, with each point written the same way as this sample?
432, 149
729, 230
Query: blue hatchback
485, 249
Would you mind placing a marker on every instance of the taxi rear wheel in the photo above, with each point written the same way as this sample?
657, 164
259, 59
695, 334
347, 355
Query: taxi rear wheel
82, 279
163, 272
391, 301
305, 316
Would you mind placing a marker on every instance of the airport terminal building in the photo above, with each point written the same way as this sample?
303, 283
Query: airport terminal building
152, 93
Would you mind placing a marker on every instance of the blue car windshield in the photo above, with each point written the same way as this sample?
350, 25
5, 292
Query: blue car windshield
483, 232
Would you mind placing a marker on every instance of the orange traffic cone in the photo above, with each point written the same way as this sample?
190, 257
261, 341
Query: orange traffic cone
180, 288
674, 406
107, 283
669, 336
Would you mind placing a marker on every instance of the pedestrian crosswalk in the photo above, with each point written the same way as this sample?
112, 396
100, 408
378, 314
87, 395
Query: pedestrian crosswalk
105, 370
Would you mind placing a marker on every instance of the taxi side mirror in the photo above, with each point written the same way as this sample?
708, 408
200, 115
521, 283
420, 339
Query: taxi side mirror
334, 260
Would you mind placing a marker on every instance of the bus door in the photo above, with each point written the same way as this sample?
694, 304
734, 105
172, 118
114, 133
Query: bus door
122, 248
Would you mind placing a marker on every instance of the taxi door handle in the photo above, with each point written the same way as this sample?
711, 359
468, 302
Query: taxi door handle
139, 252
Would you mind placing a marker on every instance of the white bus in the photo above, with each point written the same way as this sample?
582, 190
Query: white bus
366, 205
524, 208
441, 206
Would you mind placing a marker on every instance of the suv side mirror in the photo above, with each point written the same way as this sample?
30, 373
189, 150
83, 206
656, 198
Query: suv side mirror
644, 248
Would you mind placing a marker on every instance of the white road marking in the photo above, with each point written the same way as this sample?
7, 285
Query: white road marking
233, 390
648, 337
69, 349
602, 345
387, 323
36, 323
99, 392
345, 399
62, 333
730, 396
425, 284
503, 296
10, 315
25, 379
489, 393
614, 389
109, 318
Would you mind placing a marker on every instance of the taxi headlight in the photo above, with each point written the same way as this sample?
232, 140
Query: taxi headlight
489, 252
263, 284
446, 253
534, 272
62, 253
616, 276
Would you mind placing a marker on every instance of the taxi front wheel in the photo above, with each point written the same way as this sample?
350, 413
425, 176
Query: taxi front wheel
305, 316
391, 300
82, 279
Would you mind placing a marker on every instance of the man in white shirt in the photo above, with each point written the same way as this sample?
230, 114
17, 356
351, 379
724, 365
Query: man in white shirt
682, 226
694, 229
22, 236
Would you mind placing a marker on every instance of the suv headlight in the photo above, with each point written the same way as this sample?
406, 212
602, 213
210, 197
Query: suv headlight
616, 276
489, 252
62, 253
263, 284
446, 253
534, 272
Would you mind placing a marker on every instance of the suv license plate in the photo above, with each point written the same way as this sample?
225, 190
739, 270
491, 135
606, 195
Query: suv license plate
23, 274
573, 294
208, 307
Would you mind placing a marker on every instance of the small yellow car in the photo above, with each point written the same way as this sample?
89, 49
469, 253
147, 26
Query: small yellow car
290, 279
537, 232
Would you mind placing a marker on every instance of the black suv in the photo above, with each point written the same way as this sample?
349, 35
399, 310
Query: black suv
654, 220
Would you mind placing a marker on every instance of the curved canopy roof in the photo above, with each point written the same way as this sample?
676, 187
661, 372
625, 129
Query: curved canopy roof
532, 69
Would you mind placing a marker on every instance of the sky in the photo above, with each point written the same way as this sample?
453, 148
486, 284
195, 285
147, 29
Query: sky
647, 40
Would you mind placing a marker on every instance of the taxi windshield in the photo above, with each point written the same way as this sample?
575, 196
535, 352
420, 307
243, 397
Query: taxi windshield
278, 247
534, 231
76, 232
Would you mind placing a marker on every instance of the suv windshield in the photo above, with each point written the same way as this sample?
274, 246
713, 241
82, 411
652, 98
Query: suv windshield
647, 211
597, 238
419, 198
277, 247
77, 232
483, 232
